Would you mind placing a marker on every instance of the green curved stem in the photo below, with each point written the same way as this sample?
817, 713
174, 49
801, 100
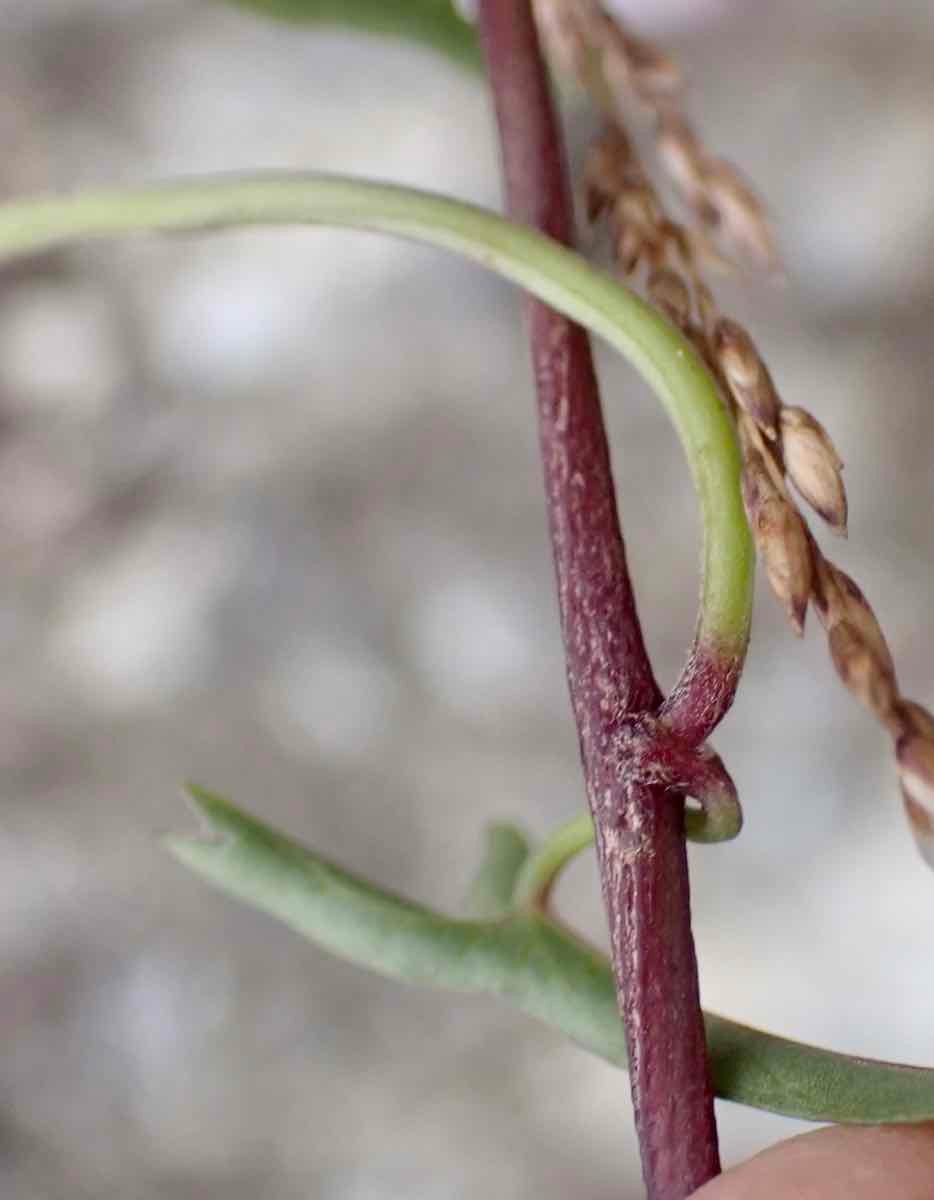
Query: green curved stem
550, 272
434, 23
542, 868
532, 962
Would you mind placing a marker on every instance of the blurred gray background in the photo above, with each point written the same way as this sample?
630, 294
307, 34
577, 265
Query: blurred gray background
271, 519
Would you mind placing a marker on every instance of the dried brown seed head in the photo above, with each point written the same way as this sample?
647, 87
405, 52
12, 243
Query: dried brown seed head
838, 598
681, 157
915, 718
799, 420
706, 307
836, 593
787, 554
589, 18
814, 465
596, 202
629, 248
698, 339
921, 822
637, 222
637, 205
655, 76
861, 670
566, 31
740, 213
781, 539
611, 167
741, 361
757, 484
915, 757
677, 241
618, 81
669, 292
746, 375
705, 253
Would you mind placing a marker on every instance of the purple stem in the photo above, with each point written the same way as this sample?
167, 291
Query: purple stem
640, 837
702, 696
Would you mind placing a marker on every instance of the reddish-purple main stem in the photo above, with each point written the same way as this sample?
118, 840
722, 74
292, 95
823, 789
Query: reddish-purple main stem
640, 836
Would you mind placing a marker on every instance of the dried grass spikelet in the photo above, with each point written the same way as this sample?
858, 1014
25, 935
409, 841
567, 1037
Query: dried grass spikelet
636, 223
637, 206
639, 65
839, 599
861, 670
814, 466
740, 214
714, 190
629, 248
915, 718
682, 158
617, 67
781, 538
916, 768
669, 293
915, 757
617, 186
746, 375
567, 30
706, 309
863, 661
588, 43
914, 752
610, 168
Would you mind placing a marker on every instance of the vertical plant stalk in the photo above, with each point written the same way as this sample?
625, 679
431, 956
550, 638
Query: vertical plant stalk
639, 828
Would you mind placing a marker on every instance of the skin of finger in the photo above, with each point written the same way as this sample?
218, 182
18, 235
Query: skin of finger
885, 1162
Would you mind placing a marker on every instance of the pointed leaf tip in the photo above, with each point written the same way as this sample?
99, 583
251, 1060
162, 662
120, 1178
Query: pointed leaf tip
217, 816
217, 825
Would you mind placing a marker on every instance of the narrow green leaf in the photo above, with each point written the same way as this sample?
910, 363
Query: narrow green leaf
531, 961
435, 23
765, 1071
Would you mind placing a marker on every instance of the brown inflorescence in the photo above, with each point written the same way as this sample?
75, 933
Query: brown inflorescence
813, 465
779, 443
780, 536
746, 375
